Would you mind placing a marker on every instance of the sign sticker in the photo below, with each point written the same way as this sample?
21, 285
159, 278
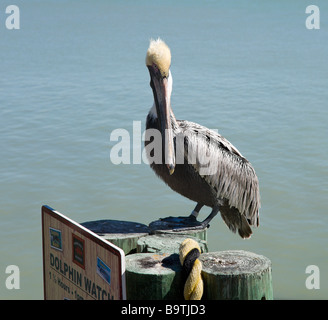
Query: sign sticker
103, 270
55, 239
78, 251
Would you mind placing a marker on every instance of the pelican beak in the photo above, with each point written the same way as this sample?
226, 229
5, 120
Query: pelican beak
159, 85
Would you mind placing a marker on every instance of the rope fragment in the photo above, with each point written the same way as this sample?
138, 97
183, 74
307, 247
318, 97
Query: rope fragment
189, 253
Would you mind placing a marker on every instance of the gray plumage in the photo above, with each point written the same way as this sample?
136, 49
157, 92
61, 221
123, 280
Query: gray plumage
228, 172
212, 172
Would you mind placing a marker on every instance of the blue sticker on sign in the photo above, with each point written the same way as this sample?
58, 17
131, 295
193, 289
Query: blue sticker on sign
103, 270
55, 239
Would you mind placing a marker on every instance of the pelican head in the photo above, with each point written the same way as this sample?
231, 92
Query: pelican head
158, 61
159, 55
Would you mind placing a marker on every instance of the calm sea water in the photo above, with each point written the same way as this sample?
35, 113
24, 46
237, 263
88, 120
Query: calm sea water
75, 71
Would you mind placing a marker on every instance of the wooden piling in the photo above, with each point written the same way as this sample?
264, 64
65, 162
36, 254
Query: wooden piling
123, 234
227, 275
178, 225
166, 243
153, 276
236, 275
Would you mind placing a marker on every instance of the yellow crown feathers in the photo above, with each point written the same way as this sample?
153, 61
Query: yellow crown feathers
159, 54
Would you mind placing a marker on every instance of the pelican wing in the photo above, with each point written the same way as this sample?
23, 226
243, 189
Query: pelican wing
223, 167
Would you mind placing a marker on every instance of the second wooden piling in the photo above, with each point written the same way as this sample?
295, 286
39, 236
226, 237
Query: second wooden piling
153, 276
236, 275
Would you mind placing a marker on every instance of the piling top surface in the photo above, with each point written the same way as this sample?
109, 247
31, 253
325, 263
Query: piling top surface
169, 243
123, 229
176, 224
153, 263
234, 262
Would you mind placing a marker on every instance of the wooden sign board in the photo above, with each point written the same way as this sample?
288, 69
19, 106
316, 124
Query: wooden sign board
77, 263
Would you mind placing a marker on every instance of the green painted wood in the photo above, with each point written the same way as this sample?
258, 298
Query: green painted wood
178, 226
227, 275
236, 275
124, 234
153, 276
233, 274
166, 243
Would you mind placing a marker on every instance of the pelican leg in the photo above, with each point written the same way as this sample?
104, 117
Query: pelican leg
214, 212
195, 212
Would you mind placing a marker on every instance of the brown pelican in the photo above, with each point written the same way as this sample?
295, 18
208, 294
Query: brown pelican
197, 162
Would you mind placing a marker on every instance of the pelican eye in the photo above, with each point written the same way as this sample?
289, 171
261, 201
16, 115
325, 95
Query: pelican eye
155, 67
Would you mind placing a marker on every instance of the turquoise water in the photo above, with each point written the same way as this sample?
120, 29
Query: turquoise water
75, 71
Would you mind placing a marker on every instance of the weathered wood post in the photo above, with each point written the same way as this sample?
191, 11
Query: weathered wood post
123, 234
175, 225
153, 276
236, 275
166, 243
227, 275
